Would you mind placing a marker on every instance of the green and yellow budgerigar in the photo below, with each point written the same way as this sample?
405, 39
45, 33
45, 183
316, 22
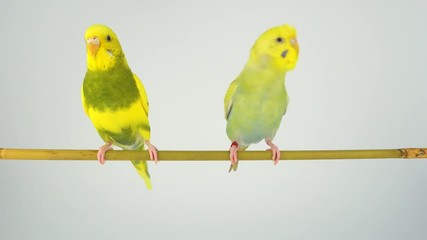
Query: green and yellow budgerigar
257, 99
115, 99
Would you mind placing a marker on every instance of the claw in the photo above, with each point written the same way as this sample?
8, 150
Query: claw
152, 150
101, 152
275, 151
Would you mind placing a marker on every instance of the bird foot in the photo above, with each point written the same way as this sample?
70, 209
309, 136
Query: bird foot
275, 151
233, 155
101, 152
152, 150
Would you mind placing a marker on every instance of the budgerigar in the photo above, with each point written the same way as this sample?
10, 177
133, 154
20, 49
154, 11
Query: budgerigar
257, 99
115, 99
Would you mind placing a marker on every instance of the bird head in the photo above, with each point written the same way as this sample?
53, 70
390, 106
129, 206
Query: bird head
102, 47
277, 47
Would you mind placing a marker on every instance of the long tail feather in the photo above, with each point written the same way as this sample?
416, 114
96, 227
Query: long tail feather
142, 169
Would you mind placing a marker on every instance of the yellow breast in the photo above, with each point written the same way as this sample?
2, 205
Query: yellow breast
133, 117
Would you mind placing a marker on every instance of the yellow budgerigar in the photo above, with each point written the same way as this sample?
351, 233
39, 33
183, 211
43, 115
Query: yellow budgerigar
257, 99
115, 99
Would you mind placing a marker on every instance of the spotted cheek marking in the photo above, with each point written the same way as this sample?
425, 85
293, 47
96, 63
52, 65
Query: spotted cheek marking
284, 53
110, 52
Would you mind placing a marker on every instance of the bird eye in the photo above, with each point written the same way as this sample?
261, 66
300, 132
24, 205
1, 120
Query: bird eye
108, 38
279, 39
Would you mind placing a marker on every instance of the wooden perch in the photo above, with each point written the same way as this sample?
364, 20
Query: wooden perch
124, 155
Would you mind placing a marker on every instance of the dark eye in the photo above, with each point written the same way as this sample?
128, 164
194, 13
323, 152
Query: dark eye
108, 38
279, 39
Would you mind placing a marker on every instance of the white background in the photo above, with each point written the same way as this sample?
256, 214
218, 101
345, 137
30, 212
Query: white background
360, 83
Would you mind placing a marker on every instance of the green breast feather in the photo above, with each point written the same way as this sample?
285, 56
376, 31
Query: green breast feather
112, 89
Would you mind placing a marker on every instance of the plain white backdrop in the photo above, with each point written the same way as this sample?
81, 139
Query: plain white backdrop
360, 83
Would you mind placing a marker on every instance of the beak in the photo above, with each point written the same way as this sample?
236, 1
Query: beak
294, 44
93, 45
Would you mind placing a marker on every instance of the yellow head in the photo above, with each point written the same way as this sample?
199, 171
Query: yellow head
277, 47
102, 47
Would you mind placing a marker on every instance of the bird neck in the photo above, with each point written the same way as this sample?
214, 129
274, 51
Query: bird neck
264, 72
264, 60
104, 61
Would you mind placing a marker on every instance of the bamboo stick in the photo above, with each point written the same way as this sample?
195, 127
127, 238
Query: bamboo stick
124, 155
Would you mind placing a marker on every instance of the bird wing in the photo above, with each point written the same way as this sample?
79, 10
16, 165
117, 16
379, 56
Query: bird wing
142, 94
228, 102
84, 102
141, 166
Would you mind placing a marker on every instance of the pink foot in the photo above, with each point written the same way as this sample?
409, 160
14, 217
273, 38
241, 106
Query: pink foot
233, 153
152, 150
275, 151
101, 152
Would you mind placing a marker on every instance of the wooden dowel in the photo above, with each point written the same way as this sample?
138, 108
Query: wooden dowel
124, 155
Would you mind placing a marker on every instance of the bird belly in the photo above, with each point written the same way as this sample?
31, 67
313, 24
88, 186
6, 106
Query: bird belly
125, 127
252, 121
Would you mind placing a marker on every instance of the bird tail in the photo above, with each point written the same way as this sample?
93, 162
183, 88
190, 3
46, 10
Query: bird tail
141, 166
142, 169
